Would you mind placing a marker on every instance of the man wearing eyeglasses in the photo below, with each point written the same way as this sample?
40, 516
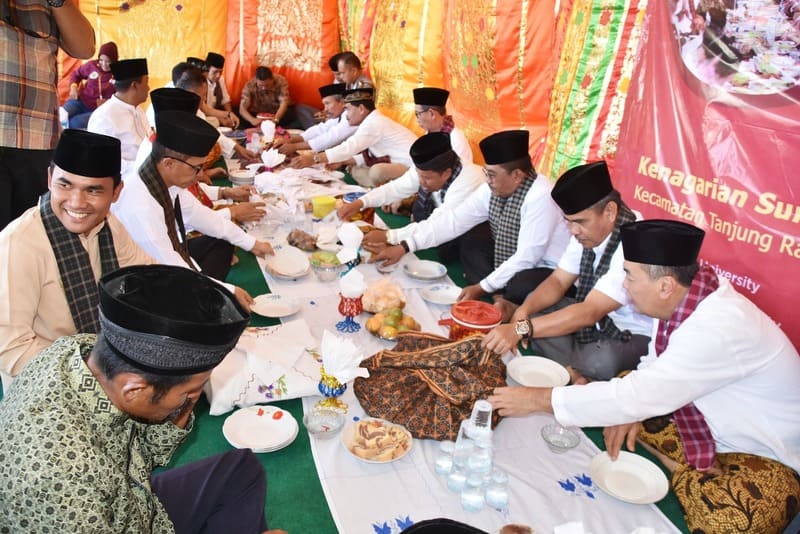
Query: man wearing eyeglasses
121, 116
31, 32
156, 215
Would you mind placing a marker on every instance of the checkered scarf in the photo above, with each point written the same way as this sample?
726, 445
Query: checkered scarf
75, 267
423, 205
698, 442
589, 276
172, 216
504, 220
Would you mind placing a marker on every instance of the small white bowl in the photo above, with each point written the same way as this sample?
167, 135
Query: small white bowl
242, 177
560, 439
323, 423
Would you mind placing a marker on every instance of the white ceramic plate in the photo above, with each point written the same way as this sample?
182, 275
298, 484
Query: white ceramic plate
351, 440
294, 131
424, 269
631, 478
288, 262
261, 428
272, 305
441, 293
537, 371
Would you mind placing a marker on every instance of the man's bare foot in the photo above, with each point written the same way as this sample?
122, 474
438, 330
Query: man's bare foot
575, 377
506, 307
234, 260
275, 531
665, 460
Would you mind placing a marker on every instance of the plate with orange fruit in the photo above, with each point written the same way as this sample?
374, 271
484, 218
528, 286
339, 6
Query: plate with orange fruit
387, 324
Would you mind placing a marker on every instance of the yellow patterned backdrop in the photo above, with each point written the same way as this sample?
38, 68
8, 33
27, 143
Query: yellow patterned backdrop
163, 31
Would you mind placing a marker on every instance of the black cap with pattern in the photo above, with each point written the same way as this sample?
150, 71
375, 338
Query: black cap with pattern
359, 95
168, 319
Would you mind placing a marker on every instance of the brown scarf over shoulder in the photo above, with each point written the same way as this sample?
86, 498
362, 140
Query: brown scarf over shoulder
172, 216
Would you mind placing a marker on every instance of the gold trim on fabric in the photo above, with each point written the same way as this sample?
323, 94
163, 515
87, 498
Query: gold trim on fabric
421, 46
523, 32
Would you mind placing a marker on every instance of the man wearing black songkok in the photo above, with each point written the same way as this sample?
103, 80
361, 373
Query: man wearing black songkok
118, 404
597, 333
53, 254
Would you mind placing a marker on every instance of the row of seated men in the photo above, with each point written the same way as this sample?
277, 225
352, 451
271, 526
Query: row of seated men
569, 266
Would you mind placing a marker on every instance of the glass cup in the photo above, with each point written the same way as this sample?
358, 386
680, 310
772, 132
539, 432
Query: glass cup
464, 445
456, 479
443, 463
497, 490
480, 461
472, 497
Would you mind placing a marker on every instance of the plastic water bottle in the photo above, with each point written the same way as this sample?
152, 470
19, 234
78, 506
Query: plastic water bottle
464, 445
480, 422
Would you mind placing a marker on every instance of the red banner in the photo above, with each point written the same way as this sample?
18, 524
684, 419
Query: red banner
711, 136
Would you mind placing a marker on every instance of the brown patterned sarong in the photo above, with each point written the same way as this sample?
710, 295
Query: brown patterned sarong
752, 495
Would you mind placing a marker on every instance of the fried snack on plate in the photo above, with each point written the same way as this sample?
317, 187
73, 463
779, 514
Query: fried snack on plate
302, 240
376, 440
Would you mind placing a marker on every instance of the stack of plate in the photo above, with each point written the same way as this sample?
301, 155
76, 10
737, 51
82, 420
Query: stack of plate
424, 269
260, 428
288, 263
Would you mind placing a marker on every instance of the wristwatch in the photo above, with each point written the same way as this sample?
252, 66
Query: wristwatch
55, 3
523, 328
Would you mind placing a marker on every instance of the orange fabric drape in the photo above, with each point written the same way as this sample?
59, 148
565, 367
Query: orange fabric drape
296, 44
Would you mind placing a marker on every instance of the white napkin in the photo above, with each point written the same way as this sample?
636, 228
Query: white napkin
352, 284
350, 236
341, 357
268, 129
272, 158
326, 233
573, 527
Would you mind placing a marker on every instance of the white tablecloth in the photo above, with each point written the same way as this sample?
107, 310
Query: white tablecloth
546, 490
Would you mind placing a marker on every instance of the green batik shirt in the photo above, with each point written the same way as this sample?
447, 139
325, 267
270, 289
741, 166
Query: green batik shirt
70, 461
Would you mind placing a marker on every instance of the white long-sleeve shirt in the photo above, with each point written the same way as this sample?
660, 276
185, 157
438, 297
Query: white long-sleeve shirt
542, 238
728, 358
381, 135
610, 284
143, 217
469, 179
329, 133
460, 145
125, 122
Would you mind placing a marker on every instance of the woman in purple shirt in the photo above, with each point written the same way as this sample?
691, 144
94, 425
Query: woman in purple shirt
98, 87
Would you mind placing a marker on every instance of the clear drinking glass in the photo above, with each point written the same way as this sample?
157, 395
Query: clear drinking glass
456, 479
497, 490
472, 499
464, 445
444, 458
